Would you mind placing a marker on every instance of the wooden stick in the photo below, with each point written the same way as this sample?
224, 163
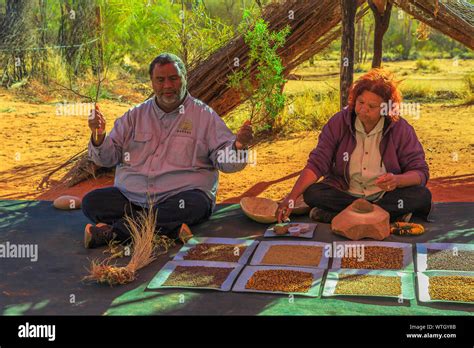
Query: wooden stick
96, 130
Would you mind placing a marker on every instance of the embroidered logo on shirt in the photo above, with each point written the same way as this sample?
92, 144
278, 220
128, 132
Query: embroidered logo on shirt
186, 127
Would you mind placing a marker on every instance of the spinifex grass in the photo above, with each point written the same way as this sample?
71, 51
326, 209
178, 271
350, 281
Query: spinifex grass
116, 249
146, 247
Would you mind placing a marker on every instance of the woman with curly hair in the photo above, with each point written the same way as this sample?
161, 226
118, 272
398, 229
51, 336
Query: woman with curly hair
365, 151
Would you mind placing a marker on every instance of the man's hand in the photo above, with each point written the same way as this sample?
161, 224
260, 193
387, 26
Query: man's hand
387, 182
244, 136
97, 126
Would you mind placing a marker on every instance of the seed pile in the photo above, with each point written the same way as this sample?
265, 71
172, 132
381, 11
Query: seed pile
216, 252
463, 260
297, 255
375, 257
361, 284
280, 280
198, 276
283, 228
452, 288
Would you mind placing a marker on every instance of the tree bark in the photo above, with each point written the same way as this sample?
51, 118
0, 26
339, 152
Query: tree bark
348, 13
382, 20
452, 18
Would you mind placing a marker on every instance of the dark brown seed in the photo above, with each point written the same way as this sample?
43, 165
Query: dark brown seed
376, 257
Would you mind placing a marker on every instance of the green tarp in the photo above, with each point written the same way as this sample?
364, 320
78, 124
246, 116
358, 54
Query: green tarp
52, 284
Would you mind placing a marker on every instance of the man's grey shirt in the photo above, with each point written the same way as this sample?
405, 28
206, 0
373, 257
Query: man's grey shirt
159, 154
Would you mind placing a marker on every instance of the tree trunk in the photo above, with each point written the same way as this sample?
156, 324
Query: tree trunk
358, 43
382, 20
14, 35
407, 39
184, 36
44, 53
348, 12
366, 43
362, 41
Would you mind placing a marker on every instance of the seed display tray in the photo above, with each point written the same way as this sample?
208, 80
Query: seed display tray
162, 276
333, 278
265, 246
360, 246
424, 279
451, 251
249, 244
248, 271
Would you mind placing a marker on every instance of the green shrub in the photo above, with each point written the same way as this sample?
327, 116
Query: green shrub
468, 98
307, 111
427, 66
469, 83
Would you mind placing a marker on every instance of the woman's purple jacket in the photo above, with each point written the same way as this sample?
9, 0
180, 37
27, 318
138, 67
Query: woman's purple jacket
400, 150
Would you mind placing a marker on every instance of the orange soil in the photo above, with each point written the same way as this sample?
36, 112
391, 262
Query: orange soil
35, 140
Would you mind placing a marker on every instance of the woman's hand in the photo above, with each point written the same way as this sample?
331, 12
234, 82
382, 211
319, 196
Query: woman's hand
306, 178
387, 182
284, 209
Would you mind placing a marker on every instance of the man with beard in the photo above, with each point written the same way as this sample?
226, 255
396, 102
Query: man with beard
167, 152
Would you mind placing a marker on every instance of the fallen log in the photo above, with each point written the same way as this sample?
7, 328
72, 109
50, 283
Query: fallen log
454, 18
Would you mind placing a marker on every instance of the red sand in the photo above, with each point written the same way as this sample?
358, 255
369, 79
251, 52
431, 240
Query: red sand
452, 189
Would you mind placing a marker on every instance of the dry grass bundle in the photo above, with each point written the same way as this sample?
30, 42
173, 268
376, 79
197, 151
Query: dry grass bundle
162, 244
145, 244
116, 249
102, 272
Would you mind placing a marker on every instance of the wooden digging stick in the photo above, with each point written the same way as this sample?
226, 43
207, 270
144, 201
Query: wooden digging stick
96, 130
